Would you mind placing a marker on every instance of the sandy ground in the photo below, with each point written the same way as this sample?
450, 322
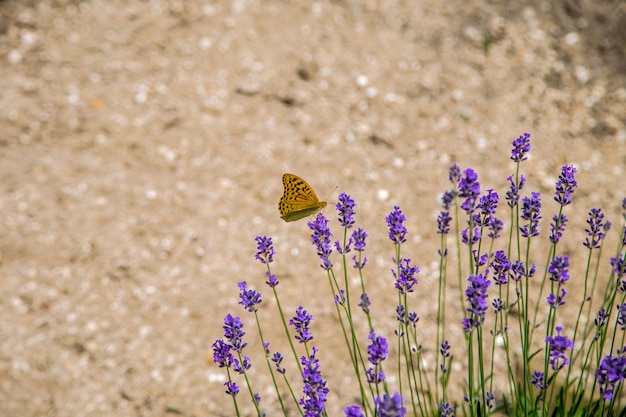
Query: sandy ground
142, 145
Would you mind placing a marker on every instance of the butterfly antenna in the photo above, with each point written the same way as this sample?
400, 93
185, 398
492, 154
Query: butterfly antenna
332, 192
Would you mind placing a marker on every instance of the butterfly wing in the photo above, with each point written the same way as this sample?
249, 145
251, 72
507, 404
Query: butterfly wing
298, 200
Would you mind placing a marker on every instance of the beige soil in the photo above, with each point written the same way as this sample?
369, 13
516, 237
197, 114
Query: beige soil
142, 145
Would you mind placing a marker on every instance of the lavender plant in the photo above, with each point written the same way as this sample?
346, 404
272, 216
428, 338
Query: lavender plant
553, 364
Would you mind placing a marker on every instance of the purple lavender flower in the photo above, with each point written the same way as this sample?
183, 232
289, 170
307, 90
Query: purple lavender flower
488, 205
231, 388
345, 207
498, 305
595, 230
476, 235
272, 281
537, 379
480, 260
521, 146
413, 318
358, 237
518, 271
265, 249
353, 411
558, 347
277, 358
365, 303
611, 373
243, 366
249, 298
531, 211
621, 315
454, 174
602, 318
557, 300
445, 349
501, 267
341, 297
489, 399
374, 377
378, 349
222, 355
301, 322
469, 188
443, 223
495, 227
447, 198
405, 280
476, 295
401, 314
321, 239
395, 222
559, 273
315, 390
447, 410
387, 406
566, 185
512, 196
340, 249
558, 269
619, 265
233, 332
557, 227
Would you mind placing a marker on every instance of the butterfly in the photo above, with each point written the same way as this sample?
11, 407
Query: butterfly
298, 200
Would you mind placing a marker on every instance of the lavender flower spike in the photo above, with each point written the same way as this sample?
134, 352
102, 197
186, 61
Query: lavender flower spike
321, 239
265, 249
315, 390
345, 207
353, 411
249, 298
611, 373
558, 347
395, 222
521, 146
387, 406
595, 230
469, 188
233, 332
301, 322
566, 185
531, 211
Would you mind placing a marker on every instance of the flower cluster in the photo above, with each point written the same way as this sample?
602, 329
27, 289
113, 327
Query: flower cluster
395, 222
521, 146
405, 278
559, 345
301, 322
315, 389
476, 294
469, 189
518, 303
321, 239
531, 211
611, 373
566, 185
